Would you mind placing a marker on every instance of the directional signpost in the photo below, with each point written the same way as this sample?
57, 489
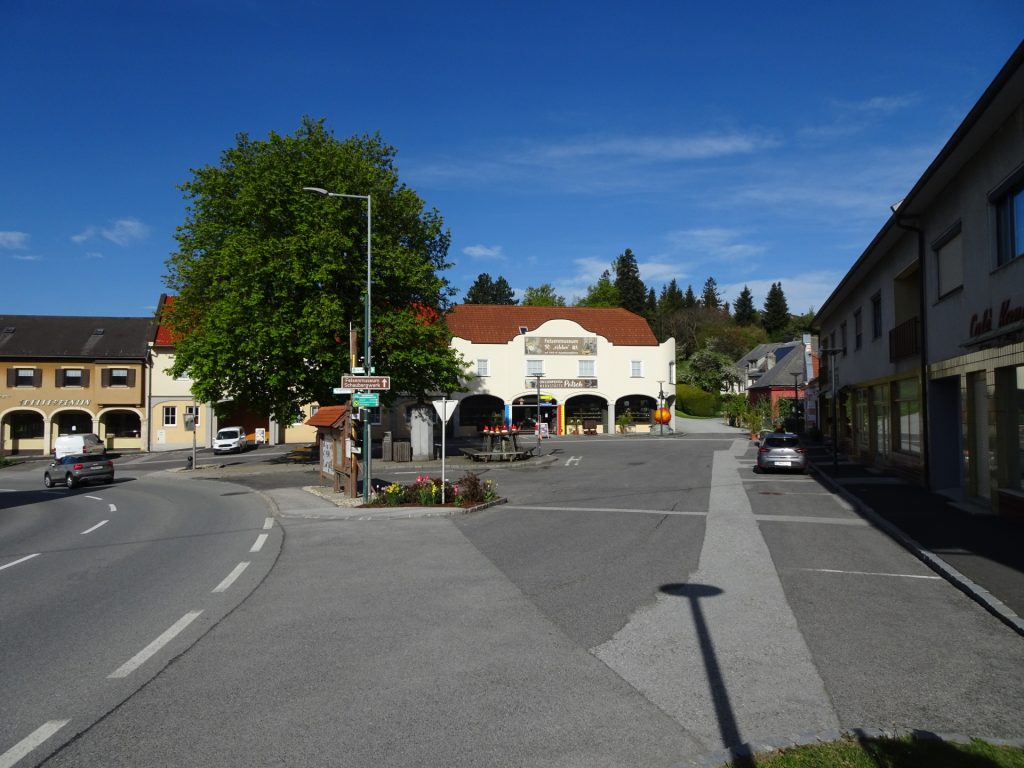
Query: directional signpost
366, 382
365, 399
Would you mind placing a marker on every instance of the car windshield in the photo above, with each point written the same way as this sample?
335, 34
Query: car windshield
781, 442
227, 434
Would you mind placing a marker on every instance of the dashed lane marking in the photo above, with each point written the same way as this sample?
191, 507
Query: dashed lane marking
260, 541
146, 653
238, 569
21, 560
30, 742
268, 523
869, 573
98, 525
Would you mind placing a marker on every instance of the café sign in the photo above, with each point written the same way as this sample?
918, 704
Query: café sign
1009, 314
563, 383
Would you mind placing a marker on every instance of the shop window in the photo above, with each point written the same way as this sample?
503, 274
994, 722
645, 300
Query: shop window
880, 403
25, 426
949, 263
861, 422
586, 369
483, 367
907, 405
123, 424
1010, 223
170, 415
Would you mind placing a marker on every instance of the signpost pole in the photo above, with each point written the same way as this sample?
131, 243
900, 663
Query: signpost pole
441, 406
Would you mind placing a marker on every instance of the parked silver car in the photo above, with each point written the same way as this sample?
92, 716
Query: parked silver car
78, 469
781, 450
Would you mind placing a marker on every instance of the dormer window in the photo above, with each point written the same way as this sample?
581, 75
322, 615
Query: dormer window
523, 329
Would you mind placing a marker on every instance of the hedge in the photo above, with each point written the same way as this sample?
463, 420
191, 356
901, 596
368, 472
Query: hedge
697, 402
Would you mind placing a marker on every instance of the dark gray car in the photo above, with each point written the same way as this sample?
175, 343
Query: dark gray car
79, 469
781, 450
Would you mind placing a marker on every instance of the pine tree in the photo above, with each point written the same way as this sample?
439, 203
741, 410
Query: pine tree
776, 313
671, 299
744, 312
689, 300
710, 298
486, 291
602, 294
632, 292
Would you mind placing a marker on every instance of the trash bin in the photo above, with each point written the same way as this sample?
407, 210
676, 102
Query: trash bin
385, 448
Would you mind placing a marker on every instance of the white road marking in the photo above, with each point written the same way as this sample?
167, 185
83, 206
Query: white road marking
30, 742
22, 560
231, 577
868, 573
98, 525
142, 656
573, 460
821, 520
260, 541
605, 509
94, 498
113, 508
268, 524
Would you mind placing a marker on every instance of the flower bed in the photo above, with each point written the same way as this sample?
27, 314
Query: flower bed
426, 492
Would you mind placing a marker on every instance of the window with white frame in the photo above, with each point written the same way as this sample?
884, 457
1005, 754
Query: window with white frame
71, 377
587, 369
483, 366
118, 377
534, 367
25, 377
1009, 206
949, 264
193, 411
170, 415
636, 369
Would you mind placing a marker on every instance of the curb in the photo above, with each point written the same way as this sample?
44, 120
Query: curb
979, 594
748, 750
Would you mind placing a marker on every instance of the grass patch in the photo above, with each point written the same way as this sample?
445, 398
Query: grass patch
889, 753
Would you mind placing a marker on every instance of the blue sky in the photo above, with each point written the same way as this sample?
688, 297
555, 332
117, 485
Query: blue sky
750, 142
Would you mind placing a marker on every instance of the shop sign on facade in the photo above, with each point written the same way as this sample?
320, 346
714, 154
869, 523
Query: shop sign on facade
562, 383
54, 402
561, 345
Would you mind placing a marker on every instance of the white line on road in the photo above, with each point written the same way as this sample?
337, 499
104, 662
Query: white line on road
268, 523
113, 508
605, 509
98, 525
821, 520
142, 656
868, 573
22, 560
231, 577
573, 460
260, 541
30, 742
94, 498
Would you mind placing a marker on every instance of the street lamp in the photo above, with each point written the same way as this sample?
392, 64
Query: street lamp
796, 396
367, 444
835, 406
538, 377
661, 401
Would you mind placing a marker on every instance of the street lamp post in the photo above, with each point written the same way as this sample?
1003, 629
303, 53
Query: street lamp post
367, 444
661, 401
538, 377
835, 406
796, 395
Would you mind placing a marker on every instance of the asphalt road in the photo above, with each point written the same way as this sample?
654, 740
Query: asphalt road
104, 585
638, 602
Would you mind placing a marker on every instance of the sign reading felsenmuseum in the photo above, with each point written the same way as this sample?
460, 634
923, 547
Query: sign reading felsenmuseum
561, 345
562, 383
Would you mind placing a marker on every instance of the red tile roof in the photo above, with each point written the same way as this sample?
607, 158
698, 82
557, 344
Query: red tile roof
164, 337
327, 416
500, 323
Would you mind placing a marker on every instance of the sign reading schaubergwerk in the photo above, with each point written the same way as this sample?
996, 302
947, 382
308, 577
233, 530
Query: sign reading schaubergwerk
366, 382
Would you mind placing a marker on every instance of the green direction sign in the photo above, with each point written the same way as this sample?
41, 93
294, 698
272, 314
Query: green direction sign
366, 399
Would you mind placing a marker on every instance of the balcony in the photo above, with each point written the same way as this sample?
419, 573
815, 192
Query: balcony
905, 340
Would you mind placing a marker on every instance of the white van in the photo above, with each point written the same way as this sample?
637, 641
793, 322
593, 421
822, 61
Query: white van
230, 440
71, 445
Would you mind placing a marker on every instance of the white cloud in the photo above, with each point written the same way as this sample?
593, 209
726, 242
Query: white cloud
24, 257
803, 291
14, 241
122, 232
656, 148
714, 243
484, 252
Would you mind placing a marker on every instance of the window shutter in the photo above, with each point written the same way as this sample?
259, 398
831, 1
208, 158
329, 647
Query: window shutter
85, 377
131, 377
60, 378
105, 377
12, 377
37, 377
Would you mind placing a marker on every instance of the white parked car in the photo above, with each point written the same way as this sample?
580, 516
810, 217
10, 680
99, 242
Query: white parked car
77, 444
230, 440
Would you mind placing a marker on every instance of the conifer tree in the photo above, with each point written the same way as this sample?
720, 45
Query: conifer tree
775, 319
632, 292
744, 312
710, 298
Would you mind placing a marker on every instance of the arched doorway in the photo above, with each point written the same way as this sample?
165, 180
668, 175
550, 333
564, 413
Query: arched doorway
121, 429
524, 413
478, 411
635, 412
23, 432
586, 411
71, 422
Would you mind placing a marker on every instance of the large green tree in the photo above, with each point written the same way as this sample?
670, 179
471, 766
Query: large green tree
710, 298
487, 291
775, 318
269, 278
542, 296
603, 293
744, 312
632, 292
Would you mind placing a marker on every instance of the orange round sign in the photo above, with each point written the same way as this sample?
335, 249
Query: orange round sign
662, 416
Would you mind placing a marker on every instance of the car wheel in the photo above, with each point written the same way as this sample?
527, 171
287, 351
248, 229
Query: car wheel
69, 480
47, 480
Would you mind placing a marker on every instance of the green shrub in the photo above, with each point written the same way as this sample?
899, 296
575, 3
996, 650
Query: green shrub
697, 402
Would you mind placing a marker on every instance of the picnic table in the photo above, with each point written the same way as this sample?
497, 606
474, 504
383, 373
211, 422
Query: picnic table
499, 446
